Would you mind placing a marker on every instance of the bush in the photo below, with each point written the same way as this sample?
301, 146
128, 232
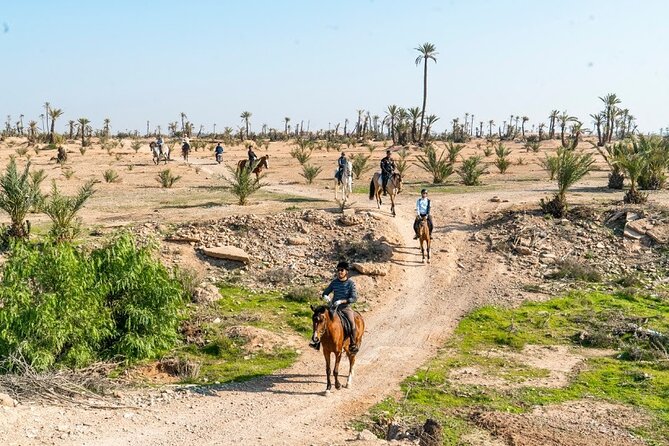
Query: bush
304, 294
310, 172
19, 194
62, 211
453, 151
166, 179
573, 269
110, 176
439, 167
302, 152
471, 170
136, 145
502, 162
359, 164
243, 184
62, 305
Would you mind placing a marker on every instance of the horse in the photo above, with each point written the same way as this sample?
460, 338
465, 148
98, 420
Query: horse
345, 186
424, 236
329, 331
394, 188
185, 150
258, 166
157, 154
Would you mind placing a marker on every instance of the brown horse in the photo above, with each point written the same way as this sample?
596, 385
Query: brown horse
424, 236
260, 164
328, 330
394, 187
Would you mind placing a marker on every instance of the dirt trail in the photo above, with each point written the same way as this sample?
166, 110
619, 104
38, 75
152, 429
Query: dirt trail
421, 308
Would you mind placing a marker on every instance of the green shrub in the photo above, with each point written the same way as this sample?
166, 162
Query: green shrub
166, 179
471, 170
310, 172
62, 211
359, 164
243, 183
19, 194
111, 176
439, 167
303, 294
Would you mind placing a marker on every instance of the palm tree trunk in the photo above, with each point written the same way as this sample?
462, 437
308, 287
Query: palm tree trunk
422, 113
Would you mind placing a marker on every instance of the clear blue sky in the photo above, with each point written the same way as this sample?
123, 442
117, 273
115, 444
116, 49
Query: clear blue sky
133, 61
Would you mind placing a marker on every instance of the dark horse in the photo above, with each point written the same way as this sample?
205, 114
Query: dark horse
394, 187
329, 331
260, 164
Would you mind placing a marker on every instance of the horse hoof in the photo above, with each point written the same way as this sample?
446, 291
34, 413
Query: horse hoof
326, 393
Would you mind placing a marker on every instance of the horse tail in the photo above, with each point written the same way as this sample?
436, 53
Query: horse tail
371, 189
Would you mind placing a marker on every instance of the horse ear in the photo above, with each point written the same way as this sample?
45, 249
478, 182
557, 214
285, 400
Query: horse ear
312, 308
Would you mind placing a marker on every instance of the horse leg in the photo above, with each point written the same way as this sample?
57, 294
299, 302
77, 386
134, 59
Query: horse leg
327, 370
392, 204
422, 251
429, 242
336, 370
351, 363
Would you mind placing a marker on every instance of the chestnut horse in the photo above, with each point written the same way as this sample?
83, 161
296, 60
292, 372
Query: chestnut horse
424, 236
328, 330
260, 164
394, 187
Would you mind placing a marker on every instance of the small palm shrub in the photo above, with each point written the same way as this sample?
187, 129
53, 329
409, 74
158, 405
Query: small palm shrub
402, 165
632, 165
83, 150
118, 156
62, 211
439, 166
111, 176
243, 184
656, 155
136, 145
359, 164
487, 151
21, 151
302, 151
67, 172
19, 194
534, 146
310, 172
502, 161
453, 151
471, 170
166, 179
570, 167
549, 163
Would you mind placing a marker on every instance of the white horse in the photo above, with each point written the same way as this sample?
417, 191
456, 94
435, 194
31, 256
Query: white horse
345, 188
158, 155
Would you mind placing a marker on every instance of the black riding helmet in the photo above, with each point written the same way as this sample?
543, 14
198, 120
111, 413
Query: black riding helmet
343, 265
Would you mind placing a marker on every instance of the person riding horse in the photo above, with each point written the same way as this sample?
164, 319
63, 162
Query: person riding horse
159, 143
422, 210
252, 157
185, 147
219, 152
344, 295
387, 170
341, 165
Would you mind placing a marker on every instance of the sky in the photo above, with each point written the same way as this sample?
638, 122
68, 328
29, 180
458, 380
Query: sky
321, 61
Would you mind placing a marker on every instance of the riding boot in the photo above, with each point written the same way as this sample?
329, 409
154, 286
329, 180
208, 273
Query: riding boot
353, 347
415, 236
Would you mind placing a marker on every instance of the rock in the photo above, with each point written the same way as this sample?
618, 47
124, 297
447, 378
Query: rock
523, 250
496, 199
630, 232
7, 401
658, 235
370, 269
366, 435
349, 220
227, 252
296, 241
641, 225
206, 293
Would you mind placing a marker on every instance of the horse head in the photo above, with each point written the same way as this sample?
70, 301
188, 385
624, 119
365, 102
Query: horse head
319, 322
398, 177
264, 161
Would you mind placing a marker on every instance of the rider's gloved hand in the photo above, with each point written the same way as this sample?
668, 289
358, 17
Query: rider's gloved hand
339, 302
326, 298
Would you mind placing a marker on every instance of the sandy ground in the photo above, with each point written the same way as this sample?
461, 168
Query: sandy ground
418, 305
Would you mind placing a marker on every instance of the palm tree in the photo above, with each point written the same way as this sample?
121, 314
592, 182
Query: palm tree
551, 126
286, 121
392, 114
357, 126
522, 126
106, 121
183, 125
598, 120
246, 115
490, 124
55, 113
32, 130
70, 123
610, 111
427, 51
19, 194
414, 114
564, 118
83, 124
570, 167
429, 122
47, 108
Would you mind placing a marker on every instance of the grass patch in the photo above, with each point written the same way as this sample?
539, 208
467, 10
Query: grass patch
580, 318
223, 358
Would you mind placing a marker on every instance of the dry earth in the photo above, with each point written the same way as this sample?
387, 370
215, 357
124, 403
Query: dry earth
413, 309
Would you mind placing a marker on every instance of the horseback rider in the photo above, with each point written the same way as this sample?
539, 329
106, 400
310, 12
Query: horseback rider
252, 156
185, 147
422, 210
387, 170
341, 165
344, 295
219, 152
159, 143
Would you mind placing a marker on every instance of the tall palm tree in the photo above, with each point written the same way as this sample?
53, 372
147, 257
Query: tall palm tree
427, 51
490, 124
46, 113
598, 120
285, 127
429, 122
358, 126
183, 125
610, 111
522, 126
414, 115
32, 130
70, 123
55, 113
564, 119
83, 124
246, 115
392, 114
551, 126
106, 121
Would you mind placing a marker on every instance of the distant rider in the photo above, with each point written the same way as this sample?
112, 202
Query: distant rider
344, 295
422, 210
387, 170
219, 152
252, 157
159, 142
341, 165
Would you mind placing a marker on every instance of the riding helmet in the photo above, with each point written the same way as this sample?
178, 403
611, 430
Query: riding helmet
424, 191
343, 265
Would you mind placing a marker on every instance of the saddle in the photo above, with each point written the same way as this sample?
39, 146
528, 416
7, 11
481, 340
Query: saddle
346, 324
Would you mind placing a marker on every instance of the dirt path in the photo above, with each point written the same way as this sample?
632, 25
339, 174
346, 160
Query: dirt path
422, 304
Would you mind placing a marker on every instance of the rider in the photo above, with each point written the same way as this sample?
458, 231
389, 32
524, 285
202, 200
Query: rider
218, 151
252, 156
422, 210
159, 142
341, 165
387, 170
344, 295
185, 147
